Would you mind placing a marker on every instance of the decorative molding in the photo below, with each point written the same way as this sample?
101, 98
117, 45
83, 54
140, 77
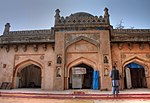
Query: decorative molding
35, 47
44, 47
130, 46
120, 46
24, 48
16, 48
7, 47
42, 57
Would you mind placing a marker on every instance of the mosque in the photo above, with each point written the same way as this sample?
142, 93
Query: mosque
77, 53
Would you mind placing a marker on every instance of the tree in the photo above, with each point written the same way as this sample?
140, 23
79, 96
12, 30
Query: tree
120, 26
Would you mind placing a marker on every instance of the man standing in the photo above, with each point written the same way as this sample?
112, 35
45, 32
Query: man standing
114, 74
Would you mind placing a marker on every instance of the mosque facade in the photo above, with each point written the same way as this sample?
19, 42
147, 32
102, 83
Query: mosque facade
77, 53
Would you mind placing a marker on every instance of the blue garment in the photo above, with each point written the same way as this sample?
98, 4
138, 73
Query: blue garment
95, 80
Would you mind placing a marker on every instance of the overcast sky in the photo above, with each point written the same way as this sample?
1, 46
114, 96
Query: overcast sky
39, 14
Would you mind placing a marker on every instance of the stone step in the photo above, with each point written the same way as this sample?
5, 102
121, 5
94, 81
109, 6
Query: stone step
73, 96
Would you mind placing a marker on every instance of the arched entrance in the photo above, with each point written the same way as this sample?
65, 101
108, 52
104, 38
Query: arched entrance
135, 76
84, 79
29, 77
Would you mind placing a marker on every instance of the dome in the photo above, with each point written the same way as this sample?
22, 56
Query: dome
81, 14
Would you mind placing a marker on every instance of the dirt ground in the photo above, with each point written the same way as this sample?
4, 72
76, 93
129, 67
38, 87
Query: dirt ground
33, 100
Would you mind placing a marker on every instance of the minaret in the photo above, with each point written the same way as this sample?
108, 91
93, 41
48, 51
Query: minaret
57, 16
106, 16
7, 27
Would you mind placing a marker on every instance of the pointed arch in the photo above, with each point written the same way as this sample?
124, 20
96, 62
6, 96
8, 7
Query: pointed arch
25, 63
80, 61
133, 73
21, 65
136, 60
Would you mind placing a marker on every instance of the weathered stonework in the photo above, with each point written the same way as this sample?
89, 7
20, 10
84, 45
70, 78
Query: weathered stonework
78, 40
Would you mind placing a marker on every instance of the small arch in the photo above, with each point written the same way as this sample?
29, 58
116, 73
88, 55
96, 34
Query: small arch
136, 60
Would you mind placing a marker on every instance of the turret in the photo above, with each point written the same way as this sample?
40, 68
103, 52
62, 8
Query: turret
57, 16
7, 27
106, 16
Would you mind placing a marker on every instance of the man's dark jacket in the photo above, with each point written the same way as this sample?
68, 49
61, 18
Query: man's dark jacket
115, 74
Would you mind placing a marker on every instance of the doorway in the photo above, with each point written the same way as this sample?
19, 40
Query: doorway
86, 79
134, 76
29, 77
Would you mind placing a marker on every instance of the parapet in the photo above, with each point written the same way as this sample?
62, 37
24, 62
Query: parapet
81, 20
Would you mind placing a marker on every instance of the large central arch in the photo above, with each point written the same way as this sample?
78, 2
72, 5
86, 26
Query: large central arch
84, 80
24, 71
80, 62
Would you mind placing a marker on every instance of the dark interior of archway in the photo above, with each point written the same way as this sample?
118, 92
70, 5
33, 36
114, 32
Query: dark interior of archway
137, 73
30, 77
87, 78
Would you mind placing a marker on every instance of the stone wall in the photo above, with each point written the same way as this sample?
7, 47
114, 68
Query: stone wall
125, 53
13, 61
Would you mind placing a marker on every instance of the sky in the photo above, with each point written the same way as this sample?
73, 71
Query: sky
39, 14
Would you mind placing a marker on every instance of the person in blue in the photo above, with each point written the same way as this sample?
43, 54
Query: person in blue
114, 74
